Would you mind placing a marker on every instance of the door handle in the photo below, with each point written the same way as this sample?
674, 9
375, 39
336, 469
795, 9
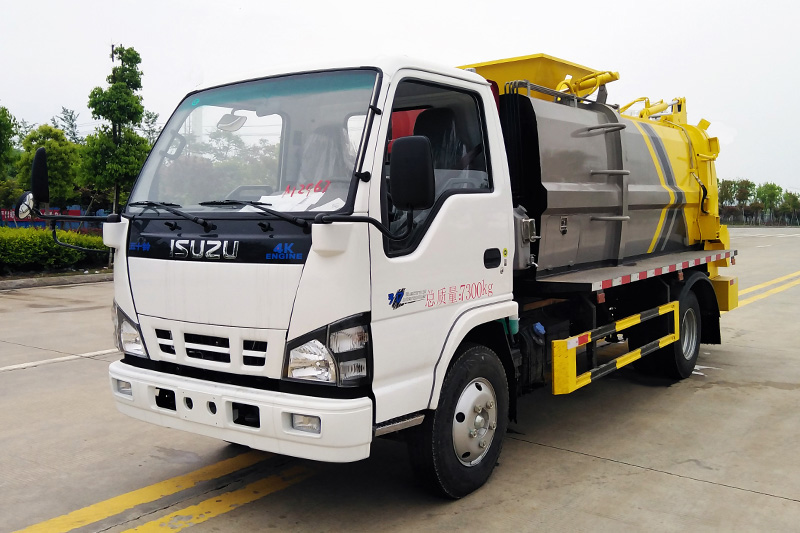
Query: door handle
492, 258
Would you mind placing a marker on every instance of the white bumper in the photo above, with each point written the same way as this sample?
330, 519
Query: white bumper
346, 425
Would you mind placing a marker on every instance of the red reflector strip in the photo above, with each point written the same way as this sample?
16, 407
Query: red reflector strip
583, 339
608, 283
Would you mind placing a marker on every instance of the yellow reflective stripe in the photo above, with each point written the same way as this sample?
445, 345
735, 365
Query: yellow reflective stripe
629, 357
226, 502
667, 308
583, 379
669, 339
663, 184
102, 510
628, 322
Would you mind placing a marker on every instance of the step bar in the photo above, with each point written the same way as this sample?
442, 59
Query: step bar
565, 378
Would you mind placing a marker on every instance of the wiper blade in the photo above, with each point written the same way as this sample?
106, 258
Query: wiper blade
171, 208
261, 206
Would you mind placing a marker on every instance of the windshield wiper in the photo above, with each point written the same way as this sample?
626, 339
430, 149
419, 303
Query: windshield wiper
170, 207
261, 206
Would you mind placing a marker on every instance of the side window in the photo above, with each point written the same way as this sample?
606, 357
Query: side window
452, 120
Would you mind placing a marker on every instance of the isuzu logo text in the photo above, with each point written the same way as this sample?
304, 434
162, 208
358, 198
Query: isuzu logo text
202, 249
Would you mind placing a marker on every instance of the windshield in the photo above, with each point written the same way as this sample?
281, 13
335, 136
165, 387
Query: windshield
289, 142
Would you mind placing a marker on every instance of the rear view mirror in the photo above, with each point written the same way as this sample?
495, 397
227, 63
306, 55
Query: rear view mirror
24, 208
231, 122
411, 173
39, 180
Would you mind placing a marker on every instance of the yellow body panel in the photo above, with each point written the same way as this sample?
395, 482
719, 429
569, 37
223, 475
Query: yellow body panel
540, 69
727, 291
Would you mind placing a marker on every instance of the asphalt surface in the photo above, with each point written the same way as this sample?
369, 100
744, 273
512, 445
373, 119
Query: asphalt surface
715, 452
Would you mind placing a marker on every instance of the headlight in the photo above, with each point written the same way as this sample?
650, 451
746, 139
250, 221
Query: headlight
338, 354
312, 361
127, 336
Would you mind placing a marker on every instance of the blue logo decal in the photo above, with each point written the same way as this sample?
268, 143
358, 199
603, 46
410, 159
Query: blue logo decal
284, 251
396, 299
142, 246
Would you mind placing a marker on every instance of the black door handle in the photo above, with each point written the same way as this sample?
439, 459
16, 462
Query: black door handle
492, 258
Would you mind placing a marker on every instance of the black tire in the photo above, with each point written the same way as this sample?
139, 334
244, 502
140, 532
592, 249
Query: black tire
677, 360
454, 451
679, 364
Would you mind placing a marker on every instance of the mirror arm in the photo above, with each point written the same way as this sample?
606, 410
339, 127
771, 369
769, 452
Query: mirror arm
83, 218
72, 246
327, 219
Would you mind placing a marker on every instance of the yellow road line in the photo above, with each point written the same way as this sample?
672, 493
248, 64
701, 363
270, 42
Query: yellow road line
226, 502
117, 504
768, 283
770, 292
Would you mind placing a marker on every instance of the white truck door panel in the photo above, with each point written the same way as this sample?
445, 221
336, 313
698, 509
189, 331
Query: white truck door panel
458, 257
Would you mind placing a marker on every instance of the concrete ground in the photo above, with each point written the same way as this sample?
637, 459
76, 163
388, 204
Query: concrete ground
715, 452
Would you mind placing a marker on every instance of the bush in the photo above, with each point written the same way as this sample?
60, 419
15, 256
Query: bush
30, 249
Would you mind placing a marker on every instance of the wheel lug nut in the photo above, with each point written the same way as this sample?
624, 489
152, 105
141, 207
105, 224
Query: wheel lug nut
473, 433
478, 408
482, 444
490, 405
493, 426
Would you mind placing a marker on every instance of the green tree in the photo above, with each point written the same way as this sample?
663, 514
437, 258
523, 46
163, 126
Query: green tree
727, 192
150, 128
67, 122
745, 191
9, 191
111, 165
790, 205
23, 129
8, 130
769, 194
115, 152
63, 162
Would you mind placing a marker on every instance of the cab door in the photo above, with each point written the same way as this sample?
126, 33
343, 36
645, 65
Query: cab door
457, 255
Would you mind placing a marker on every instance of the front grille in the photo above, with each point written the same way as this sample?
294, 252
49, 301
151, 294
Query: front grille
213, 348
207, 348
254, 353
165, 342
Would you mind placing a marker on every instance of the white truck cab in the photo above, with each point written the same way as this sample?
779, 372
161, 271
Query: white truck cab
246, 315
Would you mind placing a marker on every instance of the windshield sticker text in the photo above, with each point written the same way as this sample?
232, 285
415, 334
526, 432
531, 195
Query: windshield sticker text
320, 187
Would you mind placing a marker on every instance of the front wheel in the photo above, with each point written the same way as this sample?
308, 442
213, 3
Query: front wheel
457, 446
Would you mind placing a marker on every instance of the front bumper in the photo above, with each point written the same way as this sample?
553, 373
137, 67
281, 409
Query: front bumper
209, 408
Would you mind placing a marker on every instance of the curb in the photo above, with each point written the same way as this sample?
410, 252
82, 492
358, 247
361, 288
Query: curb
54, 281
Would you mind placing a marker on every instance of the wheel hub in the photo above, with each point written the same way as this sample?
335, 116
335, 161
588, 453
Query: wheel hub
474, 422
688, 333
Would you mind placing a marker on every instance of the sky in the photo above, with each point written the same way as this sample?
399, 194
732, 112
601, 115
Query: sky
737, 63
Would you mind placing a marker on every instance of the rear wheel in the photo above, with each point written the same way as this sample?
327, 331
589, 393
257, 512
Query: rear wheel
457, 446
680, 363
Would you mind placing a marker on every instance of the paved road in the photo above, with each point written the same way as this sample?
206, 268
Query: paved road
717, 451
